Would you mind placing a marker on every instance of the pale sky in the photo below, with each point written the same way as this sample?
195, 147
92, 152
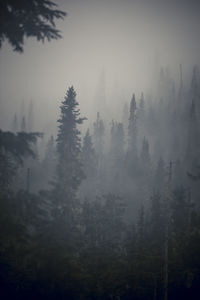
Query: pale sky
121, 37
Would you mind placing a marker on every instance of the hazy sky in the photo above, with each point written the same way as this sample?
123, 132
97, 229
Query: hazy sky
122, 37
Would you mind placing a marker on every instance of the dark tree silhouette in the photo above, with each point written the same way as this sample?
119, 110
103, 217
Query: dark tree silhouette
69, 168
33, 18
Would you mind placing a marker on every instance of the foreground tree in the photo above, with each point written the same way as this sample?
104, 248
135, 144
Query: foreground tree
33, 18
69, 169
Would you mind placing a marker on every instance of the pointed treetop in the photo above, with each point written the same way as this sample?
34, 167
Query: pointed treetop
133, 106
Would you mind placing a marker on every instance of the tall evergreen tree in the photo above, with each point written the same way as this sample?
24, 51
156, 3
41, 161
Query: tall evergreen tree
88, 156
145, 156
141, 108
193, 143
195, 87
180, 92
99, 130
117, 141
69, 168
132, 128
116, 157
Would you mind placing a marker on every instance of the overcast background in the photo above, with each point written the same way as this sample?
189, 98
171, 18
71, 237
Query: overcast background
126, 40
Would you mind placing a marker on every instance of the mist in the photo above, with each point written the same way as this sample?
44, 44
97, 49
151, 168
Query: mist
128, 41
100, 153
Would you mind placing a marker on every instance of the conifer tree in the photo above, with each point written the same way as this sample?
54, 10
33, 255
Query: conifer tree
69, 168
193, 144
145, 156
88, 155
180, 92
99, 130
117, 141
195, 87
116, 157
132, 128
141, 108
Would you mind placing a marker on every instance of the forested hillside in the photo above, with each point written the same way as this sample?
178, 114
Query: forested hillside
112, 212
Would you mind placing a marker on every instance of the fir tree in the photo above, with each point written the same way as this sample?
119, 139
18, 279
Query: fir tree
116, 157
117, 141
141, 108
193, 144
145, 156
132, 128
88, 156
99, 130
195, 86
131, 156
69, 168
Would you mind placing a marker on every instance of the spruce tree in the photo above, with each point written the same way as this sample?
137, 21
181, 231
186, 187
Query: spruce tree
132, 127
88, 156
193, 144
99, 130
145, 156
116, 157
131, 157
117, 140
69, 168
141, 112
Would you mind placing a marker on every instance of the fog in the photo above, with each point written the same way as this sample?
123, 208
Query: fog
127, 40
100, 153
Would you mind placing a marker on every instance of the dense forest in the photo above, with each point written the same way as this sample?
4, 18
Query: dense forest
111, 212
